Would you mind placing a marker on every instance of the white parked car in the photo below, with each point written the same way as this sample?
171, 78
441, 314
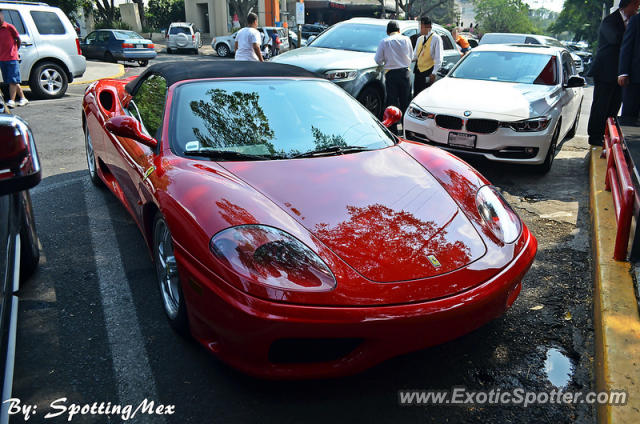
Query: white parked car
507, 103
184, 36
226, 45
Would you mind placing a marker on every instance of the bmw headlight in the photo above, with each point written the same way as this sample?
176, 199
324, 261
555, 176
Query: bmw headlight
341, 75
529, 125
496, 212
272, 258
416, 112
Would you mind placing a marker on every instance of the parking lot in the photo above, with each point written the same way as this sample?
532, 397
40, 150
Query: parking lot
92, 329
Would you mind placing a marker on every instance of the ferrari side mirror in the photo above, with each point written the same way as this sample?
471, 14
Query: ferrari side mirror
391, 116
126, 126
19, 163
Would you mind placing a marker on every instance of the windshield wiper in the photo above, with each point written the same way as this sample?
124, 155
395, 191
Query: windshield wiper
331, 150
228, 155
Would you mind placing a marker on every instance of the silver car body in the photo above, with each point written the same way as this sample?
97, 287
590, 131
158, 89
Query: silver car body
47, 37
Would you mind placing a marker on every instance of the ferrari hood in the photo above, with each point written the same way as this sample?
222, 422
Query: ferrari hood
488, 99
380, 211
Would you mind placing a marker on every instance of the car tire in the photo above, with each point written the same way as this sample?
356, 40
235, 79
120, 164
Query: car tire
92, 163
143, 62
29, 244
48, 81
223, 50
169, 51
574, 128
167, 275
108, 57
195, 51
371, 98
545, 167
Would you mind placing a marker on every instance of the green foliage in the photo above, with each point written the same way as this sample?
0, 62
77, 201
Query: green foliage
440, 11
69, 7
542, 19
160, 13
503, 16
114, 25
106, 13
242, 7
581, 18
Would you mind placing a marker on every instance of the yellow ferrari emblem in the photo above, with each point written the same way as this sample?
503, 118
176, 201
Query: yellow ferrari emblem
148, 172
434, 261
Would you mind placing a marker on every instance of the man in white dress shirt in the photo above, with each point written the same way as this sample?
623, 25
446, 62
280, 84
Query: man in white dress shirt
248, 41
395, 54
428, 56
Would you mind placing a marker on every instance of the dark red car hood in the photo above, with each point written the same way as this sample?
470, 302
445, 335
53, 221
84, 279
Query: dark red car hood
380, 211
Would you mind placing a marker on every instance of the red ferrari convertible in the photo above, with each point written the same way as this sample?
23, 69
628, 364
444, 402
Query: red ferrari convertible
293, 235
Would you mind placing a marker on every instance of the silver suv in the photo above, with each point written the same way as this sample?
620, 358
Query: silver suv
183, 35
50, 52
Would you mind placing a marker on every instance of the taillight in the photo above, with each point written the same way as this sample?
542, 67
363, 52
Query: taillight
78, 47
127, 45
151, 46
193, 37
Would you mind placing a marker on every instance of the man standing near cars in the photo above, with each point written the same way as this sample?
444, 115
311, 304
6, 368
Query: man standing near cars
428, 56
461, 41
248, 41
9, 61
629, 72
395, 54
607, 94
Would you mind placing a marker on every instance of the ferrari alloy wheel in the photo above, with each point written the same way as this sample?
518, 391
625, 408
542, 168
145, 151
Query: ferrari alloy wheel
48, 81
91, 157
167, 274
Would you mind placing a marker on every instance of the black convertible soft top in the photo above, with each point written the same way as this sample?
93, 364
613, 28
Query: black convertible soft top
175, 72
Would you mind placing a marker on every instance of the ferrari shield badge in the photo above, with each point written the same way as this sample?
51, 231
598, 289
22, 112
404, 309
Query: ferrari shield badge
148, 172
434, 261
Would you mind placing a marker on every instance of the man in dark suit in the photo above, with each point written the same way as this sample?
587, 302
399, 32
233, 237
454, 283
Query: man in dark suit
629, 71
607, 94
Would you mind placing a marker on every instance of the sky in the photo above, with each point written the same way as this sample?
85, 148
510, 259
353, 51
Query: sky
554, 5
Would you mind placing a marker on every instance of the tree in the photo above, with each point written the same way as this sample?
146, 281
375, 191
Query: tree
580, 17
69, 7
542, 18
242, 8
107, 13
160, 13
503, 16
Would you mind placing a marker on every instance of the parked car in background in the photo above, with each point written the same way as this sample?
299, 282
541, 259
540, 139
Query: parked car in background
225, 46
18, 239
508, 38
345, 54
585, 55
118, 44
293, 40
50, 50
309, 30
526, 100
471, 38
183, 36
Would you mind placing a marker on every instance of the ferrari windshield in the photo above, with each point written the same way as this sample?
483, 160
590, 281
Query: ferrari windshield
270, 118
506, 66
356, 37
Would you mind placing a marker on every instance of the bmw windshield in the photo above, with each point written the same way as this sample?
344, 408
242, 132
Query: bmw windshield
267, 118
355, 37
505, 66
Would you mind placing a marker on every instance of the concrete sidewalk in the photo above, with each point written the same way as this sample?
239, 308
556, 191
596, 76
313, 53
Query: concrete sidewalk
97, 70
616, 317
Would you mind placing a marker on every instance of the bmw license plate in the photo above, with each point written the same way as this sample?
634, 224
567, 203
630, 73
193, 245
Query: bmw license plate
462, 140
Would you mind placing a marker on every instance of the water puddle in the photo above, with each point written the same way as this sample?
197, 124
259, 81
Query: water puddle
558, 368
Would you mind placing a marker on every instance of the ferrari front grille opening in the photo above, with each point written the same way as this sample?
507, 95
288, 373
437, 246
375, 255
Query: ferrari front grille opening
517, 152
482, 126
306, 351
449, 122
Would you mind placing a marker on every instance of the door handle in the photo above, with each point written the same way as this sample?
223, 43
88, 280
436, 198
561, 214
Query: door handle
25, 44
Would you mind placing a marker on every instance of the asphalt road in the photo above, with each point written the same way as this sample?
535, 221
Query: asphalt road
92, 329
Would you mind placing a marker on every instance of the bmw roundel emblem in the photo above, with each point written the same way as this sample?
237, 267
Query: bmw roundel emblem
467, 113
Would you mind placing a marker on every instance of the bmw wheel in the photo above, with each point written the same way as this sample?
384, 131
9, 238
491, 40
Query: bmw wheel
545, 167
167, 275
48, 81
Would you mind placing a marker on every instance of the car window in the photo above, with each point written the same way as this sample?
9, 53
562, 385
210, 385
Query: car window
410, 32
531, 40
91, 38
13, 17
501, 39
525, 68
255, 116
180, 30
125, 35
446, 42
282, 33
147, 104
104, 36
567, 67
356, 37
47, 22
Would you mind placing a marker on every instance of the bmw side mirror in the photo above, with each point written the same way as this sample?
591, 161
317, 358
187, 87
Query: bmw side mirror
392, 115
128, 127
19, 160
575, 81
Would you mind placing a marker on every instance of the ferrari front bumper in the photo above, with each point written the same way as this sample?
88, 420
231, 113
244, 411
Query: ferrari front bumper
244, 330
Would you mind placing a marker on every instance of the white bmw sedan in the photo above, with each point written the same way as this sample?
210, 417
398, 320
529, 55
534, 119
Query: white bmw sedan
508, 103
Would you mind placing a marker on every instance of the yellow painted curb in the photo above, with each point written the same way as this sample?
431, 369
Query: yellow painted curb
118, 75
616, 319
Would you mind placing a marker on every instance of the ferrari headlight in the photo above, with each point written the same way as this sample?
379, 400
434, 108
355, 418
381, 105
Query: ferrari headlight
416, 112
341, 75
501, 219
272, 258
529, 125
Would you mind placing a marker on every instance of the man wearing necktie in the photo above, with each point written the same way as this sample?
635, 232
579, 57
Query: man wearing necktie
428, 56
607, 94
629, 71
